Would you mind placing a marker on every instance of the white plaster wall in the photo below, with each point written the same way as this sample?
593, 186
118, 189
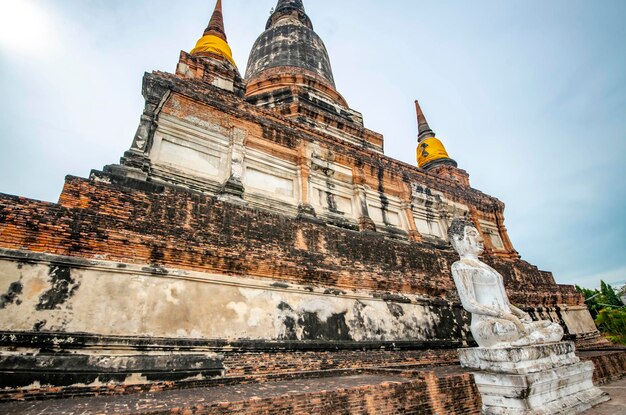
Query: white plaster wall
432, 212
121, 299
330, 179
266, 176
393, 210
491, 230
578, 320
188, 150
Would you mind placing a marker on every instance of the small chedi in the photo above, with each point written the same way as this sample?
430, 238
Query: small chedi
524, 367
255, 233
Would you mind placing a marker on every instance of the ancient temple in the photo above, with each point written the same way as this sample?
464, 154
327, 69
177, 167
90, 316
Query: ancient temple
256, 233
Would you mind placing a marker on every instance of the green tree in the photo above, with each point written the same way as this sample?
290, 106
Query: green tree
591, 300
608, 311
612, 323
609, 297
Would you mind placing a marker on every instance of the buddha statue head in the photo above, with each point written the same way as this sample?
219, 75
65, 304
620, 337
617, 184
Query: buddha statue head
465, 238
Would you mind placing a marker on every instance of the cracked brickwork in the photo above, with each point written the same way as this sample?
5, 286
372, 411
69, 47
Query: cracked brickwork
357, 394
167, 227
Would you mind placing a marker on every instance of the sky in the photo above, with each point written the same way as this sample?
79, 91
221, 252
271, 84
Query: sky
529, 98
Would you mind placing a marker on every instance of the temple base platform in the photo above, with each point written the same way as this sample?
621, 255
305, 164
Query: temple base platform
534, 380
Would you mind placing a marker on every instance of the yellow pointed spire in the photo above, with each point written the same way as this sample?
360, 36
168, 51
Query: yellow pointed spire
430, 150
214, 41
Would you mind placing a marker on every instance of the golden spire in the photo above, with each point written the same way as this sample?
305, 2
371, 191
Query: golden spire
214, 41
430, 150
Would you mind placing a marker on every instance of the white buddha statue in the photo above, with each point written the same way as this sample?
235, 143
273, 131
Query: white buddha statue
495, 321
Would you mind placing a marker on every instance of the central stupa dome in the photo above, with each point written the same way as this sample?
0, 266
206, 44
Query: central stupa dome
289, 72
289, 41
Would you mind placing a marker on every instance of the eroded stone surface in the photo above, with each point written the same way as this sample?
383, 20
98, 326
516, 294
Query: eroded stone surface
519, 360
533, 380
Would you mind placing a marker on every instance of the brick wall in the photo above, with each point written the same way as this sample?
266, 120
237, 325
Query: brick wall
610, 365
425, 395
242, 364
159, 226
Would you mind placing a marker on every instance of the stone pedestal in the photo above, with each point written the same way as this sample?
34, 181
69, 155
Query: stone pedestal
535, 380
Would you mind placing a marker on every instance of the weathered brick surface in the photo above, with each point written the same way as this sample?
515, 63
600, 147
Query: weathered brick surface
240, 364
610, 365
382, 393
448, 389
163, 226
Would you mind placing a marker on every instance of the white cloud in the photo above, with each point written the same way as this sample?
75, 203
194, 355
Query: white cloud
27, 28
